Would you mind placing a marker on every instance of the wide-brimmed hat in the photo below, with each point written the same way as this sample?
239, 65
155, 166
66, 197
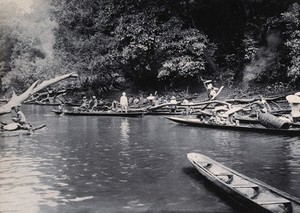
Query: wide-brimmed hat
293, 99
150, 97
297, 93
208, 81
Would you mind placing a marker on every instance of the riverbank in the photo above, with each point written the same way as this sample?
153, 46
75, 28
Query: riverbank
226, 93
238, 92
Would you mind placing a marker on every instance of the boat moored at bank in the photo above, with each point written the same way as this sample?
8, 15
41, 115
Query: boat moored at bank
241, 127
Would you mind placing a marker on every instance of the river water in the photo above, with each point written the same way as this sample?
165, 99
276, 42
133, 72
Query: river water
111, 164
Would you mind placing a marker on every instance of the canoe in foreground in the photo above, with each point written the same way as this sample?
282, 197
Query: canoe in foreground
18, 132
253, 194
100, 113
242, 127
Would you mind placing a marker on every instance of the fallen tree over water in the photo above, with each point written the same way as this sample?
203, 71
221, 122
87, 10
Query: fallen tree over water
34, 88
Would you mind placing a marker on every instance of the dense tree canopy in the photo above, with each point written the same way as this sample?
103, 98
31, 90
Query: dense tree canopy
151, 44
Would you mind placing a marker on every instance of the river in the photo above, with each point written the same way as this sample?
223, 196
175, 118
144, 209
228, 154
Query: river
111, 164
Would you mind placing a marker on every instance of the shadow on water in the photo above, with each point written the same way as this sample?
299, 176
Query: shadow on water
209, 186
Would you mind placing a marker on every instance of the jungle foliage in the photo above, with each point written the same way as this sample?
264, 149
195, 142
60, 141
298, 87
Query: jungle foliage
151, 44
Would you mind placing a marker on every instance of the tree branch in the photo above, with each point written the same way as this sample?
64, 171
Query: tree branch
34, 88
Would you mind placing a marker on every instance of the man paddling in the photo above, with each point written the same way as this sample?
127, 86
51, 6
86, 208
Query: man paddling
212, 91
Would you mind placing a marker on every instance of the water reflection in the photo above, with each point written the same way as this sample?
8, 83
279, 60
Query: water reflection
124, 127
125, 163
21, 185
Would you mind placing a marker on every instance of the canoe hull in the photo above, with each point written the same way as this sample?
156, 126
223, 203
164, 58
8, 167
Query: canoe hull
233, 189
20, 132
102, 113
251, 128
164, 113
58, 112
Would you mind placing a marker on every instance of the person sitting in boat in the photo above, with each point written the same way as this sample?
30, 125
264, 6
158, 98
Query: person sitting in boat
151, 100
202, 119
218, 116
61, 107
93, 103
85, 104
114, 105
188, 108
231, 120
173, 104
265, 107
19, 117
211, 90
136, 101
124, 102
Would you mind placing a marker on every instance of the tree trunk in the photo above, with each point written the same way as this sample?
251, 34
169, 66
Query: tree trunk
210, 62
34, 88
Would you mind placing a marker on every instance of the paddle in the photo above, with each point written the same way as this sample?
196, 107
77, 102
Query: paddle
212, 98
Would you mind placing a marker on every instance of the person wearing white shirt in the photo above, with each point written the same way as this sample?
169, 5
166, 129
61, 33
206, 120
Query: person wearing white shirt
124, 102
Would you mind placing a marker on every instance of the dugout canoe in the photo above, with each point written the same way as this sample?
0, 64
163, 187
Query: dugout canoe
56, 111
164, 113
100, 113
252, 194
41, 103
242, 127
19, 132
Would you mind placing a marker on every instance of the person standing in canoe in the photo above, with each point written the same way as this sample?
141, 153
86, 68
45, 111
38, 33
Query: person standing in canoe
294, 101
211, 90
124, 102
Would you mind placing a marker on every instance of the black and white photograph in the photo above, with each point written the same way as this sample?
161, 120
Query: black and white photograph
149, 106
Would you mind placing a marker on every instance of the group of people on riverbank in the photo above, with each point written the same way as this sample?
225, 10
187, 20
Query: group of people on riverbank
152, 101
171, 103
125, 103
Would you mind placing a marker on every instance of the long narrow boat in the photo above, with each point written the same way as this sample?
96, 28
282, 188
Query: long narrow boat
253, 194
18, 132
100, 113
41, 103
163, 113
242, 127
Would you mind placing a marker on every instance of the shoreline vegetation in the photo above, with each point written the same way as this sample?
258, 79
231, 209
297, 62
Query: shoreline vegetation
150, 45
70, 96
